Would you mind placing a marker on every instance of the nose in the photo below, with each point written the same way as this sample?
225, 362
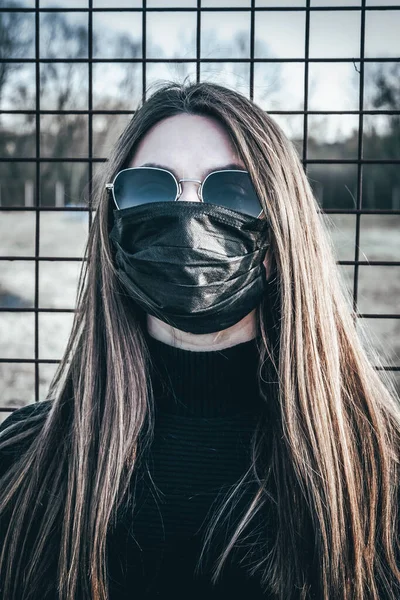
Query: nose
189, 190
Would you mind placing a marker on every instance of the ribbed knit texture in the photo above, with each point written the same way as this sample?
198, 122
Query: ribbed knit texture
207, 405
209, 384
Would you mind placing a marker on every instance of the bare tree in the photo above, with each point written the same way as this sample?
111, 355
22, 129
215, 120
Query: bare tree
383, 139
16, 41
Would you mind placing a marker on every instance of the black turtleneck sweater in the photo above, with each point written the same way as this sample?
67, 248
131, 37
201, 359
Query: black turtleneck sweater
206, 408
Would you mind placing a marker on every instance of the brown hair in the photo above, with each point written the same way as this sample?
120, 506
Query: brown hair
328, 467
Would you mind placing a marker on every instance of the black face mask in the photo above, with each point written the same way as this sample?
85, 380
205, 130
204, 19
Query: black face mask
196, 266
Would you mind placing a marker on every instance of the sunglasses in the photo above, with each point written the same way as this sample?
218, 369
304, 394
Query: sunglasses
230, 188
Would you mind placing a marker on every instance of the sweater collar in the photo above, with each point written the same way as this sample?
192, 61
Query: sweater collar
215, 383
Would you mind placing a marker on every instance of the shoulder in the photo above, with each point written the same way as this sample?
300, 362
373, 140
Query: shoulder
25, 414
19, 421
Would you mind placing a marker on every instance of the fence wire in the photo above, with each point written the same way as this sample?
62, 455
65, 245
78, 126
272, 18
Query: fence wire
35, 201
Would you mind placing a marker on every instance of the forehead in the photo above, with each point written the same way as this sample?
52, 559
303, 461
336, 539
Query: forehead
191, 145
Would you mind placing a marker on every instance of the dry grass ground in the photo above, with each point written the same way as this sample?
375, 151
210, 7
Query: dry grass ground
64, 235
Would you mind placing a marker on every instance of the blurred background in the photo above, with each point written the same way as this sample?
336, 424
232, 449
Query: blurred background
71, 75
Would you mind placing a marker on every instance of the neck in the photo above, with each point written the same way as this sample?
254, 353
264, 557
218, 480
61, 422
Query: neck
243, 331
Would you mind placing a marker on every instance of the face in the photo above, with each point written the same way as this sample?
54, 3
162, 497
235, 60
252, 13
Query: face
190, 146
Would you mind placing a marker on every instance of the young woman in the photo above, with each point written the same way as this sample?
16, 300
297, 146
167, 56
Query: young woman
215, 428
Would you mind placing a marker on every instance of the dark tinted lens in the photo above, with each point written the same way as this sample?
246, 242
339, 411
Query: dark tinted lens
232, 189
143, 185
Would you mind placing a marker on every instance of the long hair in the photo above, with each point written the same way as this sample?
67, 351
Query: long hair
327, 461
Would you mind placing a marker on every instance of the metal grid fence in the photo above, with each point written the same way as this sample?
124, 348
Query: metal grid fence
33, 190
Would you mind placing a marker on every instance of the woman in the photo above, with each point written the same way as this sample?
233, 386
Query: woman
215, 427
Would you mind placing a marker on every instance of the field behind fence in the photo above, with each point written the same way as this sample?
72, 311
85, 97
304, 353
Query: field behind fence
63, 234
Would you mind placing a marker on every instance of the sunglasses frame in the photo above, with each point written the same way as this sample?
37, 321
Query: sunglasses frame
179, 189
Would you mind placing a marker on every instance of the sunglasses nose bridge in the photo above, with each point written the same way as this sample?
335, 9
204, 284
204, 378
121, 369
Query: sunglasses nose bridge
199, 188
